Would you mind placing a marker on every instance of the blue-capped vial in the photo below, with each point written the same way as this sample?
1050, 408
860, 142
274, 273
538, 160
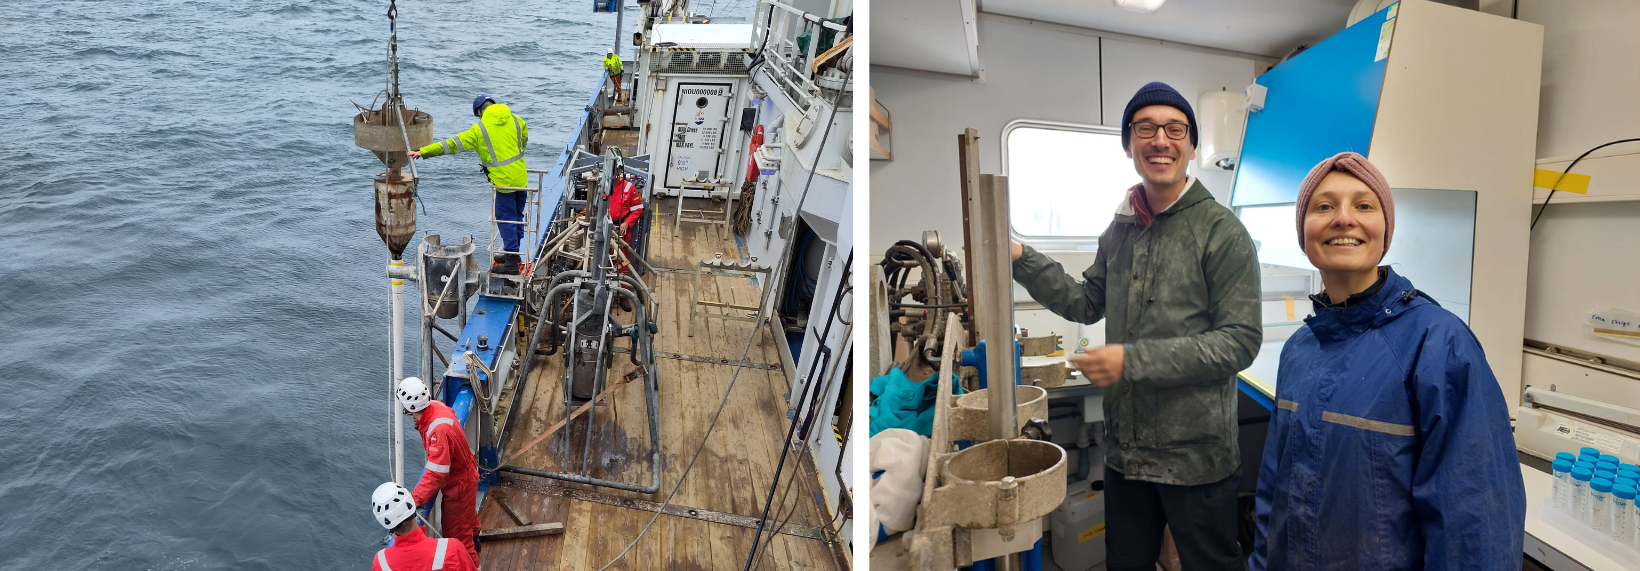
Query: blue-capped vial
1580, 493
1623, 514
1562, 496
1600, 505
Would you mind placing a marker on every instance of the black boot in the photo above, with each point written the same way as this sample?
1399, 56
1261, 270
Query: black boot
505, 264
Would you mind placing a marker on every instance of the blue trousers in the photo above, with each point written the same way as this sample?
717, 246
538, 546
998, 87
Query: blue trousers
510, 206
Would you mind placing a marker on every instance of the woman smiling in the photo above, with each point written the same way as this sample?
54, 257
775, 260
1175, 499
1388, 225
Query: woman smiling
1390, 447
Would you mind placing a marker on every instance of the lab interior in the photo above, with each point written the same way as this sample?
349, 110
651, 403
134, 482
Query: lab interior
1506, 133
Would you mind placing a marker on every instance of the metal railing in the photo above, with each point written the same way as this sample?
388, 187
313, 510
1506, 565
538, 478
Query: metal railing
776, 28
512, 286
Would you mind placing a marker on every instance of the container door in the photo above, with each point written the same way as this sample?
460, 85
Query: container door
700, 114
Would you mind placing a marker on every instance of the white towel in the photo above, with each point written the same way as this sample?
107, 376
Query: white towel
902, 457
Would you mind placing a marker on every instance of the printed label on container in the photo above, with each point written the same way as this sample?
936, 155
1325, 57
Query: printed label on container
1604, 442
1384, 35
1090, 533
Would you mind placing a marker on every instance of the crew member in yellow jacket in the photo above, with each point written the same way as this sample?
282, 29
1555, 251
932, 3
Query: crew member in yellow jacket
612, 66
499, 138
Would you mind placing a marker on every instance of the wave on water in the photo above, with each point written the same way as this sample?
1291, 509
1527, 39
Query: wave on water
192, 291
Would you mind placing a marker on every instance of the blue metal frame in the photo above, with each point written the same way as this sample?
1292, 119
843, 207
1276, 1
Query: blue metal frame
1258, 396
1319, 103
552, 191
976, 358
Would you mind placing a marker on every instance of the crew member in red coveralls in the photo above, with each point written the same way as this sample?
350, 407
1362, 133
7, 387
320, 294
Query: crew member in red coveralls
625, 209
412, 550
451, 467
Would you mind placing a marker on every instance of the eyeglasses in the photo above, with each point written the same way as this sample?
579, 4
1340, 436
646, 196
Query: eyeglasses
1146, 129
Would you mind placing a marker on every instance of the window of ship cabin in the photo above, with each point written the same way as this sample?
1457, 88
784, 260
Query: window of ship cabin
1064, 181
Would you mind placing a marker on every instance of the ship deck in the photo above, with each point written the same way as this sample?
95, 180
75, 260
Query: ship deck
717, 505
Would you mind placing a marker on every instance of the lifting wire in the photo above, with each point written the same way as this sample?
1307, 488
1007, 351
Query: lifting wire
395, 102
785, 255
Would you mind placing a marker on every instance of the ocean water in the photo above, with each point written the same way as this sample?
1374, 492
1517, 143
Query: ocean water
193, 313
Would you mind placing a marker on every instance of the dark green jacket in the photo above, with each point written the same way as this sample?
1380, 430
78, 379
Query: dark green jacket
1182, 297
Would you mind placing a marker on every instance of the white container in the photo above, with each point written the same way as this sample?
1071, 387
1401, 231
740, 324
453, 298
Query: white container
1079, 527
1222, 116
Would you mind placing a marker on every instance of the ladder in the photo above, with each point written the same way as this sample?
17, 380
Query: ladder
512, 286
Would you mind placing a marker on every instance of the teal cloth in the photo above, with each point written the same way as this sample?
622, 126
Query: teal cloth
897, 402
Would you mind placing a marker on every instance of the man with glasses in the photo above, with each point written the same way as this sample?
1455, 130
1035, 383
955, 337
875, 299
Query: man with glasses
1176, 280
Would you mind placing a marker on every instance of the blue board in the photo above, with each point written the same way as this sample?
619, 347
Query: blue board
490, 317
1320, 103
1257, 395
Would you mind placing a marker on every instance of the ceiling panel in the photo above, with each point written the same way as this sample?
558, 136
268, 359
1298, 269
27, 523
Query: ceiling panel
930, 35
1268, 28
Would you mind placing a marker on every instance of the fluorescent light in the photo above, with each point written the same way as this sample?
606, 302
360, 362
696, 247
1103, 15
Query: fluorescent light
1140, 6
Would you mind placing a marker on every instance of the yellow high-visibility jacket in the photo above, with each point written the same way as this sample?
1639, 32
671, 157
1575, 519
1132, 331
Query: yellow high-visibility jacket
499, 138
612, 64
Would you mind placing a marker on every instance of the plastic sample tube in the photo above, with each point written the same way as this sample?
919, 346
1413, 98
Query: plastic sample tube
1623, 514
1600, 505
1562, 485
1580, 494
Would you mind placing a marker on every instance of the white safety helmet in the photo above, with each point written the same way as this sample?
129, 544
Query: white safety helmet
391, 503
413, 394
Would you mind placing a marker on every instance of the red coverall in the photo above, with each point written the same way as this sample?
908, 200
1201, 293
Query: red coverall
625, 206
414, 551
451, 469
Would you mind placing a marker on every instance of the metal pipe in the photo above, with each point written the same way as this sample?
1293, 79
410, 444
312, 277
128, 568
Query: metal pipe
652, 406
620, 10
994, 299
579, 479
461, 303
599, 370
638, 310
528, 355
397, 372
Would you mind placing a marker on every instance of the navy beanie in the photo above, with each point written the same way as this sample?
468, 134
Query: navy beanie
1156, 93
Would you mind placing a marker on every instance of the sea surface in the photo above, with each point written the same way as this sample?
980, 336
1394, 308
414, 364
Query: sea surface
193, 312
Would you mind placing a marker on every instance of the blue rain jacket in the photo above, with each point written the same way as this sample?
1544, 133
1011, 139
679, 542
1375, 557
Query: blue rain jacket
1390, 446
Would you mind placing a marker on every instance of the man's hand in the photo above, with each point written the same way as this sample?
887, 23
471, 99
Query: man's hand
414, 154
624, 227
1102, 366
1015, 250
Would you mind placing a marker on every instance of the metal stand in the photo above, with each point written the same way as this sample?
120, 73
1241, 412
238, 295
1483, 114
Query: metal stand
723, 217
986, 501
590, 333
716, 268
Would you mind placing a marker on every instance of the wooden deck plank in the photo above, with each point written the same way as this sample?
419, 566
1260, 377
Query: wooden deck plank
733, 473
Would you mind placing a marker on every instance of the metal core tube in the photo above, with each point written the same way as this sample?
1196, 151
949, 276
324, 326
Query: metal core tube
994, 299
397, 359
